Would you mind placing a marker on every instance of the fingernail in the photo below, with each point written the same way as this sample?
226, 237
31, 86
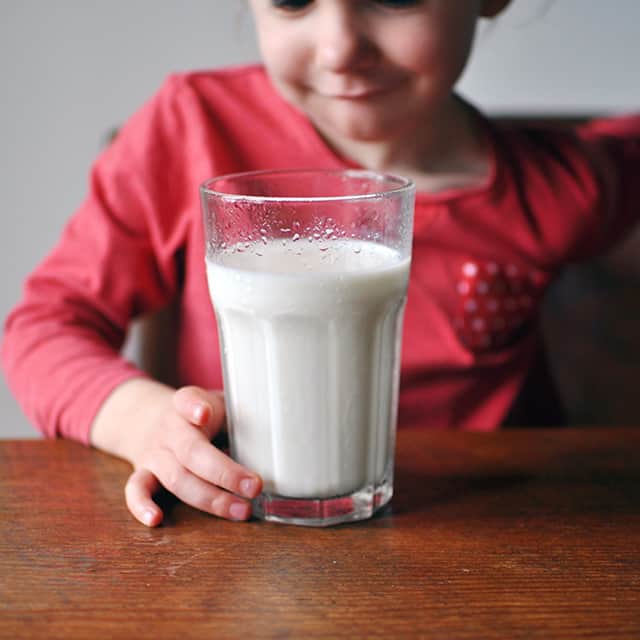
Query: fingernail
148, 516
199, 413
239, 511
248, 487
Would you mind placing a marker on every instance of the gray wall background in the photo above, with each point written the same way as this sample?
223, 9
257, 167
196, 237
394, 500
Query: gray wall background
71, 70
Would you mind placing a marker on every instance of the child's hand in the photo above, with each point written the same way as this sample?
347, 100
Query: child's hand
166, 435
181, 458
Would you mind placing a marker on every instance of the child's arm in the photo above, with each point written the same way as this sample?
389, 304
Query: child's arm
614, 147
166, 434
122, 255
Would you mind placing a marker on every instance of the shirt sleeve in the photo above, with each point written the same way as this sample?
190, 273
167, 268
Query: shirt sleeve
613, 146
116, 259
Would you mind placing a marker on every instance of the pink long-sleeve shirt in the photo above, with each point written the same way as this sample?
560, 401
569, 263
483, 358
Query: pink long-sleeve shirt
482, 256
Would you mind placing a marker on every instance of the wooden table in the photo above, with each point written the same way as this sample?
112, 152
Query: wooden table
519, 534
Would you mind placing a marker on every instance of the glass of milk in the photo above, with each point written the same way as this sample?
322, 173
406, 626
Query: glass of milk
308, 274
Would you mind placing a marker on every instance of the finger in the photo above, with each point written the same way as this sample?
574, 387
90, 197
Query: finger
194, 491
200, 407
138, 492
194, 451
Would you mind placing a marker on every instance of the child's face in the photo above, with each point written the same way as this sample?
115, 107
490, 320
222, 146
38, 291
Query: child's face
366, 69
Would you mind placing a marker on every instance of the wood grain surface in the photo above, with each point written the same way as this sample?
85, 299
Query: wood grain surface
518, 534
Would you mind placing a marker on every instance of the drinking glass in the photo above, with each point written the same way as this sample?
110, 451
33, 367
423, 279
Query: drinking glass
307, 272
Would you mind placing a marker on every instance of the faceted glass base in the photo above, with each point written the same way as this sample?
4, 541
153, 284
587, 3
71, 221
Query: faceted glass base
323, 512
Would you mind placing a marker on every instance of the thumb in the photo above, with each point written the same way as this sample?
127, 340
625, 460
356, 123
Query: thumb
201, 407
138, 491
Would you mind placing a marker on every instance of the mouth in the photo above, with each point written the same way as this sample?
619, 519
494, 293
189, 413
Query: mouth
358, 89
360, 93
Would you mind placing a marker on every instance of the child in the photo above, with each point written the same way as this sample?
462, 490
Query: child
345, 84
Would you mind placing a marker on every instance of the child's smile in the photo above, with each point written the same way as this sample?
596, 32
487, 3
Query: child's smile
366, 71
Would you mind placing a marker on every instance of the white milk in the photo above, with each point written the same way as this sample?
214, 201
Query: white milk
310, 337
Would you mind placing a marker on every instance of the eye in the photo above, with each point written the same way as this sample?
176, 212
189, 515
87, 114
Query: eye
291, 5
398, 4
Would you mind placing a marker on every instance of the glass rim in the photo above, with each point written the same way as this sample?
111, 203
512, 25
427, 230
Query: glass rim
404, 185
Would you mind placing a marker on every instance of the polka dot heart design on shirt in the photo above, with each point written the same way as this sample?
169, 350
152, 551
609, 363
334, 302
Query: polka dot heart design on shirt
495, 303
